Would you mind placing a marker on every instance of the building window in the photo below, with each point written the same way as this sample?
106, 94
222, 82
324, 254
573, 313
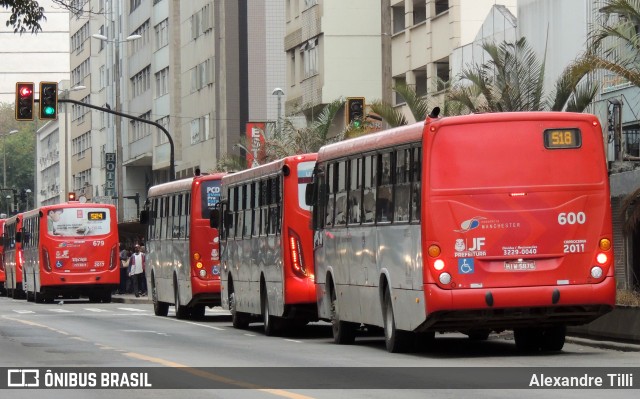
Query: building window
162, 82
162, 138
420, 75
139, 130
441, 6
419, 11
143, 31
81, 144
133, 4
398, 18
195, 131
292, 68
141, 82
310, 58
162, 34
399, 81
442, 74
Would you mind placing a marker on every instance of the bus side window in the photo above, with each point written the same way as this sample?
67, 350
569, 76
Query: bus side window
416, 177
384, 202
331, 193
369, 197
264, 208
355, 192
402, 186
248, 211
341, 195
187, 213
231, 209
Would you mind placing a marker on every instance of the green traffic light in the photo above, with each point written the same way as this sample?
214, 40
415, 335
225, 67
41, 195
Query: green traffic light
49, 110
357, 123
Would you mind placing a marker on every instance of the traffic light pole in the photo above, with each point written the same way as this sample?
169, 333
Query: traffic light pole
172, 169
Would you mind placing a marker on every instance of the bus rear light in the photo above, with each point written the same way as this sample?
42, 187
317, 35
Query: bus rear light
445, 278
602, 258
19, 257
203, 273
115, 258
434, 251
196, 256
517, 194
295, 250
605, 244
596, 272
46, 262
199, 265
438, 264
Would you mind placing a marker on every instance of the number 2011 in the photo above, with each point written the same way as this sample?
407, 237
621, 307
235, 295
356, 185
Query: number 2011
571, 218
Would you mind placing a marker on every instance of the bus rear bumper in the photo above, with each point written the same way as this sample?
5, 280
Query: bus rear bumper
508, 308
205, 292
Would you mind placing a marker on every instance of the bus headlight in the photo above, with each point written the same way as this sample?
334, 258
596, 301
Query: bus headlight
445, 278
203, 273
596, 272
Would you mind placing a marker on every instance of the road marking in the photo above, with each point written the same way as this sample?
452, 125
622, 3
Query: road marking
215, 377
60, 310
97, 310
24, 311
133, 309
293, 340
198, 324
250, 335
146, 331
34, 324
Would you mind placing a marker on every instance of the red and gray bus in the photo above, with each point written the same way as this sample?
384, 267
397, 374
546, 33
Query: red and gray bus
472, 223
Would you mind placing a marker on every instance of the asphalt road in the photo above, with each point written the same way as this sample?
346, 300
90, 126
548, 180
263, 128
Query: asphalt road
116, 336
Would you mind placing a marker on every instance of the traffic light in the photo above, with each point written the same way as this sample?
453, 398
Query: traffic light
48, 100
72, 196
355, 111
24, 101
23, 195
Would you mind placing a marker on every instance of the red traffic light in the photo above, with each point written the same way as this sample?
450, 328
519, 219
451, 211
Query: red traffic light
72, 196
24, 101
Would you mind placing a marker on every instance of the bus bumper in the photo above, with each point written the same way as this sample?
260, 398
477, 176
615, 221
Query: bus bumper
205, 292
508, 308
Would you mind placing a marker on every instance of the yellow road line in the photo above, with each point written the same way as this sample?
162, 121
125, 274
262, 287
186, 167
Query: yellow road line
215, 377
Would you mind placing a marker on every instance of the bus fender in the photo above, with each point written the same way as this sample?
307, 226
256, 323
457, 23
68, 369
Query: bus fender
384, 283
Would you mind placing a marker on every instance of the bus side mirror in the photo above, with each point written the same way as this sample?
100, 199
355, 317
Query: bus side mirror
19, 236
309, 194
214, 218
144, 217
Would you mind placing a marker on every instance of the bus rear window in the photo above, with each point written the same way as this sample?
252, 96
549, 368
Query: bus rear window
305, 176
78, 222
512, 155
210, 196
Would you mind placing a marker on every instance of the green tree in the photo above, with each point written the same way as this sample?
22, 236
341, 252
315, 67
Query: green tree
19, 149
26, 15
513, 80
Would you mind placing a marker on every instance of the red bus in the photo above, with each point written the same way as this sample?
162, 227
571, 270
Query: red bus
3, 276
13, 257
266, 243
70, 250
182, 261
472, 223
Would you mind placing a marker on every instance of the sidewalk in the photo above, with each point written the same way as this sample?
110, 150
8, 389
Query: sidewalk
130, 298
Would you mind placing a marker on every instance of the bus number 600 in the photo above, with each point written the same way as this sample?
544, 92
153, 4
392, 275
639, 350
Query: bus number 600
572, 218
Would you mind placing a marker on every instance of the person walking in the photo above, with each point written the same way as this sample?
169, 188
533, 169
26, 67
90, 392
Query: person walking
136, 270
124, 268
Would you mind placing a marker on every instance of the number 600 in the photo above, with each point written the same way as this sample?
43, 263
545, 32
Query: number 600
571, 218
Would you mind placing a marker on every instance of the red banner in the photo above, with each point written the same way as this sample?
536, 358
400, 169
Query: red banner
255, 143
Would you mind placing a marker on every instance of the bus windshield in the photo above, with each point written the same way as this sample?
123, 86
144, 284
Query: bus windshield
210, 196
305, 176
79, 222
508, 155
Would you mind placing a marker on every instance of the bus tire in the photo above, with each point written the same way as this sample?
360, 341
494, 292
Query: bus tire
528, 339
553, 338
106, 296
197, 312
478, 335
159, 308
182, 312
396, 341
344, 332
39, 297
239, 320
271, 324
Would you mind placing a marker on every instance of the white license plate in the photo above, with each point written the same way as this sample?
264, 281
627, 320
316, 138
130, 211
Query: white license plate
519, 266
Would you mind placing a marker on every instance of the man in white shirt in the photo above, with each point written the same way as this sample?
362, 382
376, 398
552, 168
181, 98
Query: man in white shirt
136, 269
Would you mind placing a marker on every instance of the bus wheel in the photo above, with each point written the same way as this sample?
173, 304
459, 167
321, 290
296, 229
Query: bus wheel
159, 308
39, 297
553, 338
478, 335
31, 296
271, 325
344, 332
396, 340
239, 320
528, 339
106, 296
182, 312
197, 312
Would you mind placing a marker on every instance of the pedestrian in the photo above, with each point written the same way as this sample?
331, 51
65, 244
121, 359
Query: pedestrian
124, 269
143, 251
136, 270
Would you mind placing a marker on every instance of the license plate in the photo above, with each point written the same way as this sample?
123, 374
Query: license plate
518, 266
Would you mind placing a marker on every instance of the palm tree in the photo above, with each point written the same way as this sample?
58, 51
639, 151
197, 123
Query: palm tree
513, 80
418, 106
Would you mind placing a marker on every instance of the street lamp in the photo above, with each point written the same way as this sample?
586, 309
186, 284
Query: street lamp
4, 157
278, 92
27, 192
8, 204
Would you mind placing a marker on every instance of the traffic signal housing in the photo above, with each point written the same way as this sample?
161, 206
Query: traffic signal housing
48, 100
355, 111
24, 101
71, 196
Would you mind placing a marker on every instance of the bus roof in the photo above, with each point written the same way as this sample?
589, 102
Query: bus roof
413, 133
267, 169
181, 185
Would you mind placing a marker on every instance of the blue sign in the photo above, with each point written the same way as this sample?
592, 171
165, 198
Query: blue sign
465, 266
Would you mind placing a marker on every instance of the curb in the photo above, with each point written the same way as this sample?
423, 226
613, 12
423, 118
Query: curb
618, 346
130, 299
